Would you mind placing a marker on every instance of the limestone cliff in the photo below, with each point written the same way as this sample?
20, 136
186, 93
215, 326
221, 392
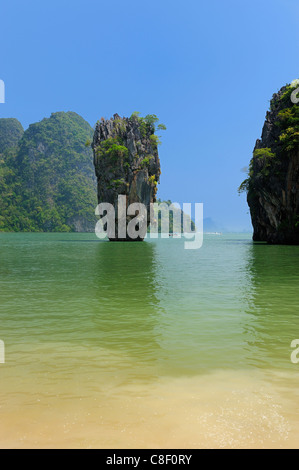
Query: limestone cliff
47, 180
126, 161
273, 183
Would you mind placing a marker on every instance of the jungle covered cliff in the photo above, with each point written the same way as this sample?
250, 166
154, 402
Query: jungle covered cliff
272, 185
47, 180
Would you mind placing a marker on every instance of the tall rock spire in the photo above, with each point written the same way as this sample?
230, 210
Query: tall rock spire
126, 161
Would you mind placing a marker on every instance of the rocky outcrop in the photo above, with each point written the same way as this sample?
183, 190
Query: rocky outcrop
273, 182
126, 162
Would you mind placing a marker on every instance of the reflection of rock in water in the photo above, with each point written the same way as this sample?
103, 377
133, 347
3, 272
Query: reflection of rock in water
128, 310
273, 319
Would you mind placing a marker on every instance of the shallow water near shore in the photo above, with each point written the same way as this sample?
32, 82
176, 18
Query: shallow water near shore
147, 345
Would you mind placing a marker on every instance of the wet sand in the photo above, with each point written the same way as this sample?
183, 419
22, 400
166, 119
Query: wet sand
225, 409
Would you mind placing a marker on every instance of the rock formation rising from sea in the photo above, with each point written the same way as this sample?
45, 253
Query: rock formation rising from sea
273, 182
127, 163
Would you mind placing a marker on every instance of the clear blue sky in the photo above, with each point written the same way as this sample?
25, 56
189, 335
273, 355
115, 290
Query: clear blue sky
207, 69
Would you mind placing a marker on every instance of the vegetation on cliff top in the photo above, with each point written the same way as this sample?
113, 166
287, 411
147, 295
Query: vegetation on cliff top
149, 123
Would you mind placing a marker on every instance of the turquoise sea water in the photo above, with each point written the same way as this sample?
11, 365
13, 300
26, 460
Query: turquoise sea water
93, 328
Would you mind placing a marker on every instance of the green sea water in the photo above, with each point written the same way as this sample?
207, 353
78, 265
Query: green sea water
93, 328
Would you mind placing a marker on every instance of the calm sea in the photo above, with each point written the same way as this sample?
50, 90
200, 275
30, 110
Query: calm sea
147, 345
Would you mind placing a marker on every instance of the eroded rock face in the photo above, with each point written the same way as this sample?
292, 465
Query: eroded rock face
273, 183
126, 163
